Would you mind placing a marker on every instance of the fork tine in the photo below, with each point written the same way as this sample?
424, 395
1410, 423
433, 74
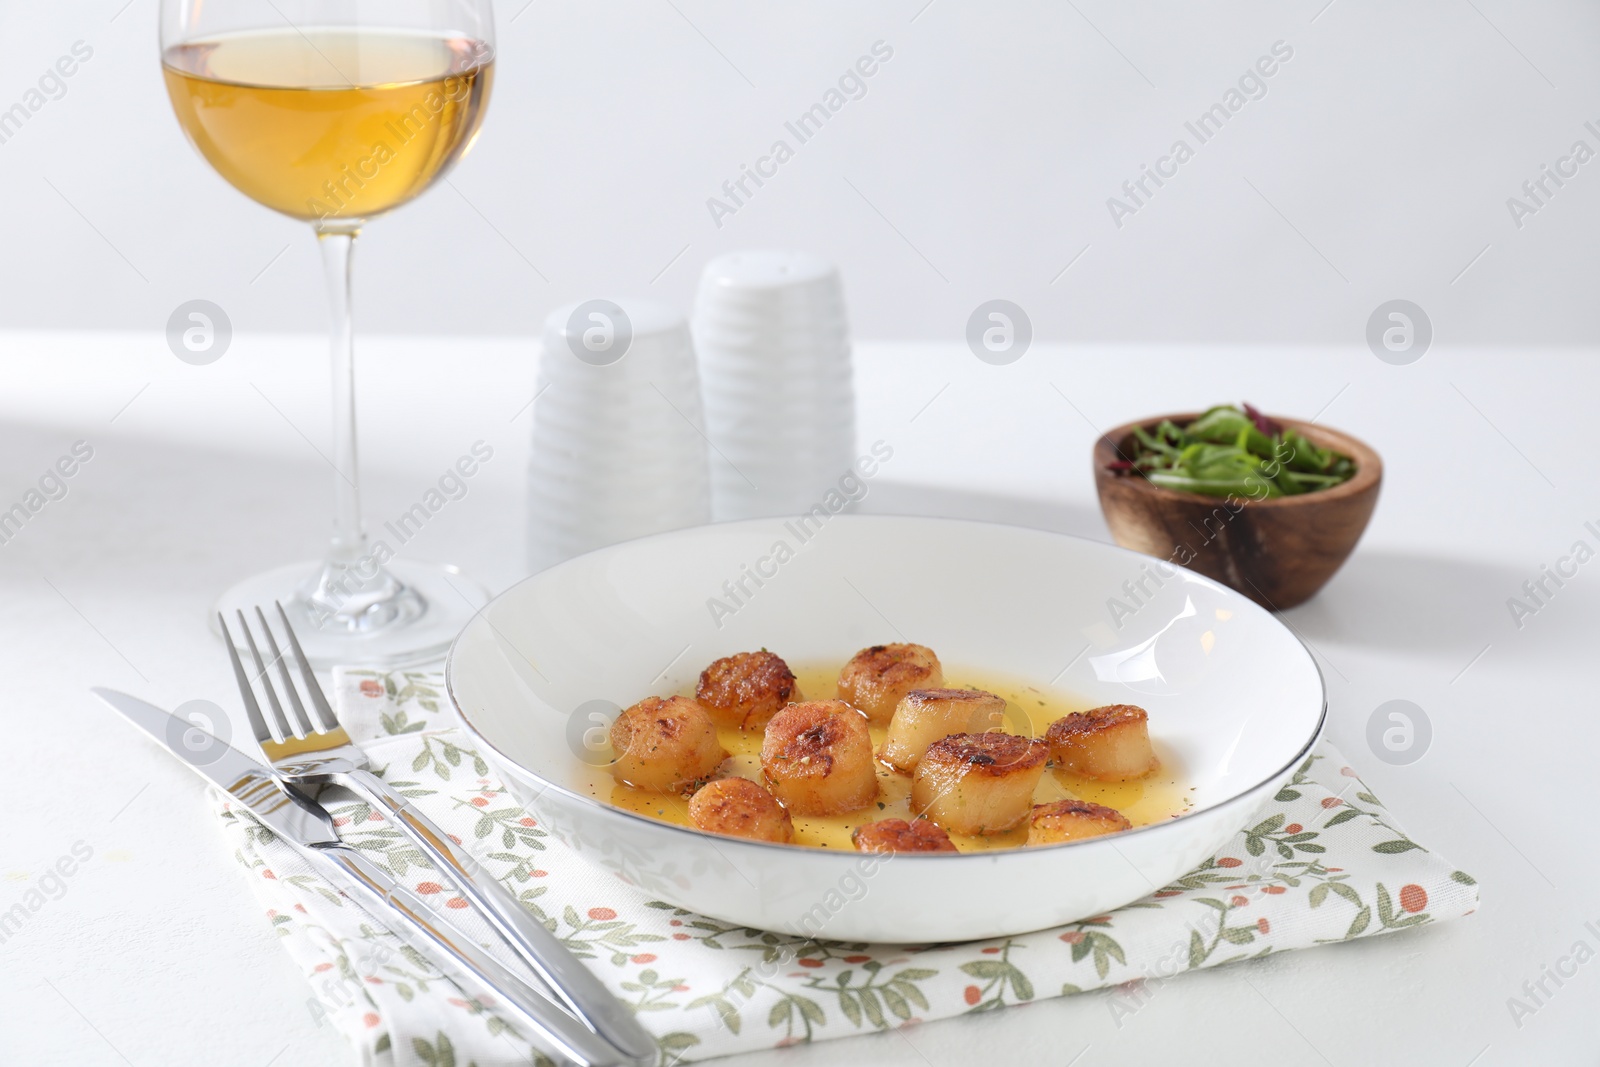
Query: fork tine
329, 720
301, 720
252, 710
266, 681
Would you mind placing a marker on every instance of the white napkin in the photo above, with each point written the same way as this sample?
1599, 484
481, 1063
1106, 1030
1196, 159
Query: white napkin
1326, 862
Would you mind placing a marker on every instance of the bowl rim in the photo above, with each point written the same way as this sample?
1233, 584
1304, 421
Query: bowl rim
993, 855
1369, 465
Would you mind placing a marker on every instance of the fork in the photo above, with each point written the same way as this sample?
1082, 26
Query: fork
307, 755
449, 950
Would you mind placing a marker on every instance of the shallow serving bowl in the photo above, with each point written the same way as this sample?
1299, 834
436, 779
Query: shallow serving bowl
1235, 701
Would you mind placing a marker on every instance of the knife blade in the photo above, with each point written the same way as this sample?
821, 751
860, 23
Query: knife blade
287, 813
304, 824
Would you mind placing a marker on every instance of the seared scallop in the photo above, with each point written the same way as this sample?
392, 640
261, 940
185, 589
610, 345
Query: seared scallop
1110, 743
667, 744
817, 757
978, 783
877, 678
1073, 820
897, 835
746, 689
739, 807
925, 715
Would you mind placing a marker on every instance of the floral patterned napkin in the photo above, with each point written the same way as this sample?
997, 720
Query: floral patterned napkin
1325, 862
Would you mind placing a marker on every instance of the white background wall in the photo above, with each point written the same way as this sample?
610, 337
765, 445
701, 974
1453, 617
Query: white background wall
978, 165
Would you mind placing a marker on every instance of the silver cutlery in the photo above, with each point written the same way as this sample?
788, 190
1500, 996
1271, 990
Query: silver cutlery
309, 756
304, 824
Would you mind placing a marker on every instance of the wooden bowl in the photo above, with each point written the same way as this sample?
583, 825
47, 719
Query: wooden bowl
1278, 552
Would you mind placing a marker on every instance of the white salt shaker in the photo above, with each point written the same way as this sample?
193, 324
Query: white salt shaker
618, 445
774, 347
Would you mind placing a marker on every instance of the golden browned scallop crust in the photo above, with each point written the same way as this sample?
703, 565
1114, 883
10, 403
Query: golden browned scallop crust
877, 678
923, 716
978, 783
897, 835
1084, 722
993, 753
817, 756
1073, 820
1110, 743
665, 744
739, 807
746, 689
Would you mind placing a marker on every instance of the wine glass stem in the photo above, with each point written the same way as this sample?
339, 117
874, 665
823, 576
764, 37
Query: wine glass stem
349, 540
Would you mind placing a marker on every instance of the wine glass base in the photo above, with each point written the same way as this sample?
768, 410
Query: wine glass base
434, 603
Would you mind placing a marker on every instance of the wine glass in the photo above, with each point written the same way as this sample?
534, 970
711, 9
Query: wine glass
334, 112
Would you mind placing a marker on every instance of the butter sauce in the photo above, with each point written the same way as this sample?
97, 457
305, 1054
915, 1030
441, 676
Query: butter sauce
1029, 711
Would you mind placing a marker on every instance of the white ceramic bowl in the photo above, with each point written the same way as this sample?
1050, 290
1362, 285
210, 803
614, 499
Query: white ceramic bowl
1234, 700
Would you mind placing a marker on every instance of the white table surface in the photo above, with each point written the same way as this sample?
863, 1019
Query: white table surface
156, 953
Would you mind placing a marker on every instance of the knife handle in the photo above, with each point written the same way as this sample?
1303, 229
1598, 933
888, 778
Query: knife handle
462, 960
538, 947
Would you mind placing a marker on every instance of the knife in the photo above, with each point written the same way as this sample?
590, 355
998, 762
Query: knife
304, 824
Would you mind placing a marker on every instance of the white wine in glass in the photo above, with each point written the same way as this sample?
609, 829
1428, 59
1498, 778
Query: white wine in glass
334, 112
